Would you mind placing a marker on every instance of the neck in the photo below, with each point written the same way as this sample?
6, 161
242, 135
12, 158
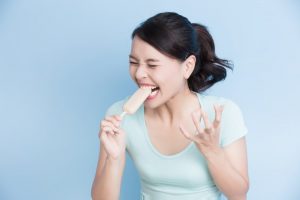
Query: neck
177, 108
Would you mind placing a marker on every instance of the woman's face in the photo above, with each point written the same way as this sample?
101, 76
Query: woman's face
151, 68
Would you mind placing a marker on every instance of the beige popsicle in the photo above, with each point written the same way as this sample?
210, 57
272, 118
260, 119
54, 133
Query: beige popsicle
135, 101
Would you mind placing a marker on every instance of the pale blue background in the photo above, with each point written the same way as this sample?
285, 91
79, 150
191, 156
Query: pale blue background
63, 62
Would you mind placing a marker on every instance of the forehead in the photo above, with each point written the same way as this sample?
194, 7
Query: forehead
142, 50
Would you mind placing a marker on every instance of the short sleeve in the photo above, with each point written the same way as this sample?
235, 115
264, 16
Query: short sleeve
232, 124
115, 109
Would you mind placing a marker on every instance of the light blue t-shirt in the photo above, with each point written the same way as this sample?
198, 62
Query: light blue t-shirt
185, 175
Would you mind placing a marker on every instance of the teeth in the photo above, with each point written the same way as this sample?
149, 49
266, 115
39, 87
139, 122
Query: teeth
152, 87
153, 93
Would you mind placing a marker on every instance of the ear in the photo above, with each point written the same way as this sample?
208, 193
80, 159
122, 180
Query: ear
188, 66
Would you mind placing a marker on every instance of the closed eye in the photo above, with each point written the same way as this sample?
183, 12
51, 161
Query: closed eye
133, 63
152, 66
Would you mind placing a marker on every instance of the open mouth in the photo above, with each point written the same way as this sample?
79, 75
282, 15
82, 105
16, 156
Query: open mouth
154, 91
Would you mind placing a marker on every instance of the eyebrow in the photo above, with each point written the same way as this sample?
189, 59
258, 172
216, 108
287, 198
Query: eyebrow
147, 60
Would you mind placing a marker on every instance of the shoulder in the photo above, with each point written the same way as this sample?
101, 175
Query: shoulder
211, 100
232, 126
231, 112
116, 108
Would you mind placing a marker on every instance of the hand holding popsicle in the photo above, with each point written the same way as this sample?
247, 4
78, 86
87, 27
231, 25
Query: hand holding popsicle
112, 137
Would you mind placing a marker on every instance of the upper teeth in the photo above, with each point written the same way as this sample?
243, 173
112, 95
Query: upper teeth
152, 87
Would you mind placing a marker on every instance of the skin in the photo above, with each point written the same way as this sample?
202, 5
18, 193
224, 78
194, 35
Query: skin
177, 112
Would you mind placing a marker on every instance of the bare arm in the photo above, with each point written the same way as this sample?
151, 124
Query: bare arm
108, 178
228, 168
111, 163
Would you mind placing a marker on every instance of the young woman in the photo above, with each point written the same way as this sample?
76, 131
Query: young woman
185, 145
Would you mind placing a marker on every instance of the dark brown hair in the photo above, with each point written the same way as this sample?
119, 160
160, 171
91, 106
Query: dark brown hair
174, 36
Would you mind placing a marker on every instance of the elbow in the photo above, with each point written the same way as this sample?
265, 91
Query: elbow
99, 195
245, 187
94, 195
240, 193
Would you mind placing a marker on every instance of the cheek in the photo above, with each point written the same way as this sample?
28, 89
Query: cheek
172, 76
173, 80
132, 71
167, 79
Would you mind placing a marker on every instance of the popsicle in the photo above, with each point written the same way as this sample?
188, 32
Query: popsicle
135, 101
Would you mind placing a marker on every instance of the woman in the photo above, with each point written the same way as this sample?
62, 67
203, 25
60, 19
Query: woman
184, 144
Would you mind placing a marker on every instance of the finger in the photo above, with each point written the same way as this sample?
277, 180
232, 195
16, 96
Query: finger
117, 118
111, 138
218, 114
103, 137
196, 116
114, 120
208, 125
108, 142
120, 132
108, 129
186, 134
208, 130
105, 123
99, 134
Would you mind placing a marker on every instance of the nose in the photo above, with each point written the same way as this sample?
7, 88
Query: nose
140, 72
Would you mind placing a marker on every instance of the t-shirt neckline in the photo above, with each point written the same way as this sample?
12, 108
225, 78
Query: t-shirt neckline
153, 148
